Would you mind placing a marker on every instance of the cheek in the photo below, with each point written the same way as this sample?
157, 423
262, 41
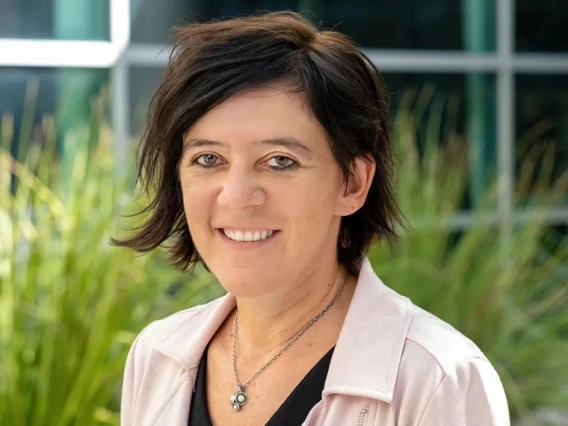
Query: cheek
196, 200
312, 200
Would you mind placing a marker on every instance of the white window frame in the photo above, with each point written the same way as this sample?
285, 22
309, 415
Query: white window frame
72, 53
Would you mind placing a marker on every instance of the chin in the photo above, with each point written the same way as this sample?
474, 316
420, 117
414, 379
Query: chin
247, 289
245, 282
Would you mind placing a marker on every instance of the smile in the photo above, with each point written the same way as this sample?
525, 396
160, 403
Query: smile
247, 236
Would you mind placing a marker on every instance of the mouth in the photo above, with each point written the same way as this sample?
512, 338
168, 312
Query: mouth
248, 237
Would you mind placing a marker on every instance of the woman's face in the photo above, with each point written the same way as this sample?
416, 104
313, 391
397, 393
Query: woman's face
258, 167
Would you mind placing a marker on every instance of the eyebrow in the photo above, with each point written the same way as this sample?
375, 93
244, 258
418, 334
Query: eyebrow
287, 142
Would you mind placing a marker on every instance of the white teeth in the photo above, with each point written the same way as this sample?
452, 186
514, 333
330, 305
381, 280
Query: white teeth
247, 235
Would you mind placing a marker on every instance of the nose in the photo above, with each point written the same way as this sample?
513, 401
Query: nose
239, 190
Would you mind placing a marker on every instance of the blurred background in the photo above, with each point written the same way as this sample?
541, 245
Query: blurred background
480, 119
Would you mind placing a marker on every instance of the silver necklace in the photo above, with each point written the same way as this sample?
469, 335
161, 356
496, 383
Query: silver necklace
240, 398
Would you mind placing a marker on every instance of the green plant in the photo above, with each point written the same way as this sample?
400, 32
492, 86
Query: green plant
70, 303
496, 282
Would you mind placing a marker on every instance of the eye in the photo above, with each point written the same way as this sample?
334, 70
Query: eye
205, 160
281, 163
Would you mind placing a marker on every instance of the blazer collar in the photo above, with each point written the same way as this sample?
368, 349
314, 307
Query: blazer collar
187, 343
367, 355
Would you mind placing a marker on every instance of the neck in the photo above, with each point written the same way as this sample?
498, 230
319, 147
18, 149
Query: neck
267, 323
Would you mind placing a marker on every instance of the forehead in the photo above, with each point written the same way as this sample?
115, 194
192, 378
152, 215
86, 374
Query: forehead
257, 115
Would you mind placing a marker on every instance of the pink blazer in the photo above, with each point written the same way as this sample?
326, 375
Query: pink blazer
394, 364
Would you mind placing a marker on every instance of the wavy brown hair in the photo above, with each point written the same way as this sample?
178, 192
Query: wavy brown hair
211, 62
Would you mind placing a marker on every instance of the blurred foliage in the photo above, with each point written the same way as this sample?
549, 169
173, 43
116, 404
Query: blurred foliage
70, 304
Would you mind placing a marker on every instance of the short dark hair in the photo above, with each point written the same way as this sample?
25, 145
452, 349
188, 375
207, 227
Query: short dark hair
211, 62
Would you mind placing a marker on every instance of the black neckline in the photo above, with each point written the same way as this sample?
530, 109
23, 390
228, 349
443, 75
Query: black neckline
294, 409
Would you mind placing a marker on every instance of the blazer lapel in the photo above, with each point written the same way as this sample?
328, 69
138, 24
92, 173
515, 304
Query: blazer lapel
176, 405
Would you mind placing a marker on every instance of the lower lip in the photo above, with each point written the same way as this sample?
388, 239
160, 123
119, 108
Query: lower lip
247, 244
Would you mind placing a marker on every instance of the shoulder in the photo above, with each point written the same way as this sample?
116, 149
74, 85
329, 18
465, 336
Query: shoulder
159, 356
413, 335
441, 367
437, 349
430, 337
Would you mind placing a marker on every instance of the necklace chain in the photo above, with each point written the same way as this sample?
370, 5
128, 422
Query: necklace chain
240, 387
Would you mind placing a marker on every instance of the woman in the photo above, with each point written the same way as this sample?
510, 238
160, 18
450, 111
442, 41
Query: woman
269, 157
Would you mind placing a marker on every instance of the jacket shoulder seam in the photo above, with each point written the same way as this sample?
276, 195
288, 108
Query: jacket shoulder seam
453, 365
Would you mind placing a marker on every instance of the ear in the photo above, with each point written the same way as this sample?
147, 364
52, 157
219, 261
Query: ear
357, 188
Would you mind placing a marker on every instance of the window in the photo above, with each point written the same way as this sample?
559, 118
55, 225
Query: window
143, 82
404, 24
464, 104
55, 19
31, 93
541, 26
542, 122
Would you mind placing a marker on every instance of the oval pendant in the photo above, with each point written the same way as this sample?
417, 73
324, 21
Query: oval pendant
238, 399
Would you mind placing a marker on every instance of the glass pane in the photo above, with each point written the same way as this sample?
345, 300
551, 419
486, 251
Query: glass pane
451, 105
142, 82
151, 21
28, 94
405, 24
542, 124
411, 24
55, 19
541, 25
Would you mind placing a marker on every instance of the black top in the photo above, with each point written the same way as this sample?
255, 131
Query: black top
293, 410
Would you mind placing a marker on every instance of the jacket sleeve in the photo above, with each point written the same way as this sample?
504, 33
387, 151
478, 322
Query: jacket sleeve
472, 395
